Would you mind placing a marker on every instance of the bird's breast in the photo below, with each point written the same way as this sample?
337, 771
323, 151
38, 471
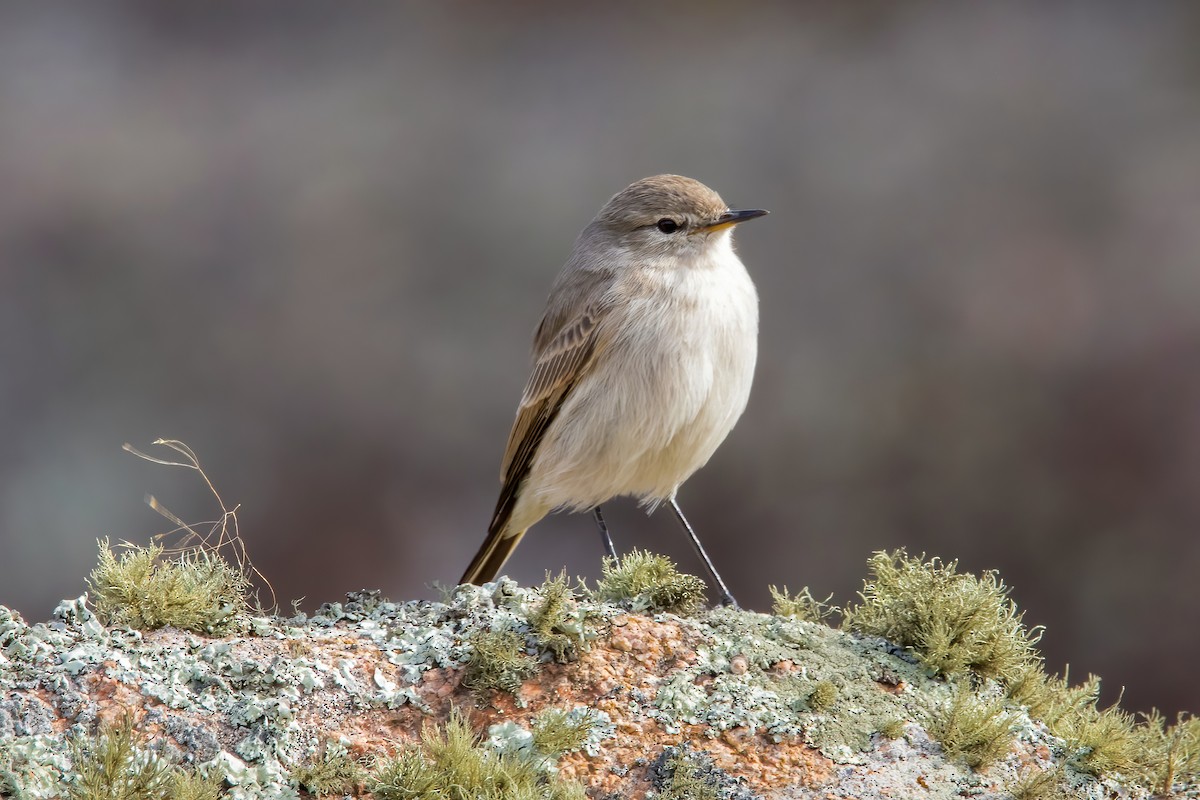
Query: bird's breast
705, 353
685, 374
668, 386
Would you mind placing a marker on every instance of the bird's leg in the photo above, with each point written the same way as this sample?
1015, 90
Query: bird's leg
726, 597
608, 542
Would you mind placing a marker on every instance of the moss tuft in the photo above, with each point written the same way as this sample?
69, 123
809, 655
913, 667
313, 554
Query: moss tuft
498, 662
648, 582
802, 605
331, 771
1097, 740
681, 778
1100, 741
823, 696
553, 624
687, 782
893, 728
978, 729
1051, 698
188, 785
1174, 751
1039, 784
556, 732
112, 765
197, 592
955, 623
450, 764
680, 773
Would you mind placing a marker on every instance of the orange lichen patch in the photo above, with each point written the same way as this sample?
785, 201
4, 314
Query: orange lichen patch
784, 667
438, 684
639, 654
636, 650
1033, 756
602, 679
380, 729
765, 765
113, 699
376, 732
46, 699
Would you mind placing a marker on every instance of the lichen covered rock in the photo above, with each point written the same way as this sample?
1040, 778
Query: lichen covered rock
746, 704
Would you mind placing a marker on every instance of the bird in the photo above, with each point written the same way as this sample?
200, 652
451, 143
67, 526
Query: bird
642, 365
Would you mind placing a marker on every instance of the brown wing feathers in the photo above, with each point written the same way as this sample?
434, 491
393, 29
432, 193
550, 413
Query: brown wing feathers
556, 372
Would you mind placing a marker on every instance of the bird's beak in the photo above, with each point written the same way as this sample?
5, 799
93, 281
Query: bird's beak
730, 218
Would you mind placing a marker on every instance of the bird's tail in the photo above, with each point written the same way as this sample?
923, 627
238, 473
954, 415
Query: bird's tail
488, 562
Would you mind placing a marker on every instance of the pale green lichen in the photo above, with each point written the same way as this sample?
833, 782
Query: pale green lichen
778, 701
112, 766
554, 733
1052, 697
892, 728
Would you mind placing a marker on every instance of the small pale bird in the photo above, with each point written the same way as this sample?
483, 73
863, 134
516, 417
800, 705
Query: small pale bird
641, 365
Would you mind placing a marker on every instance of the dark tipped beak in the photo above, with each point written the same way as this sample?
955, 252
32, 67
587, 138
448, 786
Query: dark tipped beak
732, 217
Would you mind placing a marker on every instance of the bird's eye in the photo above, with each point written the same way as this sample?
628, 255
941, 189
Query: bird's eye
667, 225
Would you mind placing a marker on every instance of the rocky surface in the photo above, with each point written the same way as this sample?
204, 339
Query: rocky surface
768, 706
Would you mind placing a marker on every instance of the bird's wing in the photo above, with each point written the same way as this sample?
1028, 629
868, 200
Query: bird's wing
560, 365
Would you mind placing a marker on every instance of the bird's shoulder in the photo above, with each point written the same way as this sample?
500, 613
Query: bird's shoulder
576, 304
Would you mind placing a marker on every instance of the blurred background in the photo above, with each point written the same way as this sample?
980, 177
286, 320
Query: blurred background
313, 242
